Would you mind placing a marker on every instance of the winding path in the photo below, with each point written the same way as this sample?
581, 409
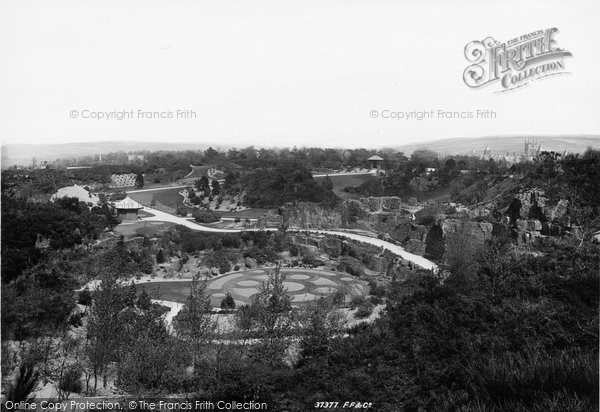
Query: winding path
395, 249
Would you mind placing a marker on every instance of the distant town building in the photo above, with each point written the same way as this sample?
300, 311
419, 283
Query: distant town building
531, 151
79, 192
123, 180
128, 209
487, 153
134, 157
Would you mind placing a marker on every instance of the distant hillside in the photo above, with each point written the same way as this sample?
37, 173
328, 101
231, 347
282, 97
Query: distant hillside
503, 144
23, 153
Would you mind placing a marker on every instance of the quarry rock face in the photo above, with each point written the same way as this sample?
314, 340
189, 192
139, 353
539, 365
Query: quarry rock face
381, 214
558, 211
312, 216
533, 204
479, 232
530, 215
250, 263
379, 204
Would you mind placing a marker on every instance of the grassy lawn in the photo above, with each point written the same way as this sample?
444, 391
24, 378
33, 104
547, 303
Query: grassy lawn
242, 214
172, 291
243, 285
167, 200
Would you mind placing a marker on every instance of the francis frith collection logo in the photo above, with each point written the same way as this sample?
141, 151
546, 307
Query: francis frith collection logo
514, 63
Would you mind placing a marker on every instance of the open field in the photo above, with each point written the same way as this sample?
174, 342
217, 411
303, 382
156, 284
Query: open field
340, 182
167, 200
302, 284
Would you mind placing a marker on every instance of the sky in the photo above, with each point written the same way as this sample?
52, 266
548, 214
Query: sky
281, 73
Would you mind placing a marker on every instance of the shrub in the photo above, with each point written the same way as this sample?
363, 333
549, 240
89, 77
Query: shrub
377, 290
338, 298
115, 197
70, 382
75, 319
309, 259
352, 266
294, 249
364, 310
85, 297
206, 216
24, 385
427, 220
228, 302
182, 211
376, 300
356, 301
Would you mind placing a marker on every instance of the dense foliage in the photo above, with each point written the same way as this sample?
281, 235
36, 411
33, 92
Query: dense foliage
58, 225
282, 184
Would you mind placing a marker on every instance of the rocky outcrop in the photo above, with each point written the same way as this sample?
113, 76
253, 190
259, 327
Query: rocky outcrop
533, 204
381, 214
530, 215
382, 204
312, 216
478, 232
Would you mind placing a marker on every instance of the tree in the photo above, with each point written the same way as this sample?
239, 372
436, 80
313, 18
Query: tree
461, 252
182, 211
143, 301
151, 360
160, 256
320, 323
194, 323
228, 302
203, 185
70, 382
271, 317
232, 182
216, 187
104, 332
85, 297
139, 181
424, 158
210, 154
24, 384
327, 184
206, 216
130, 296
